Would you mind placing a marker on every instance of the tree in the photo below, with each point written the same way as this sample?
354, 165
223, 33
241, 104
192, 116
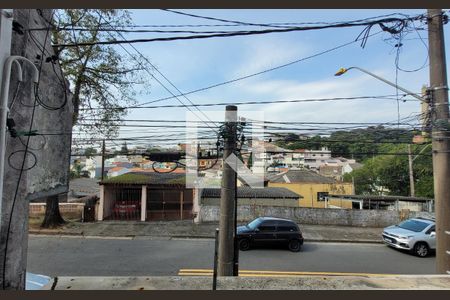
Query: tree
389, 174
101, 76
124, 149
76, 170
102, 79
90, 152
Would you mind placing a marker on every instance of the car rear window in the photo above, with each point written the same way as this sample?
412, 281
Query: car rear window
413, 225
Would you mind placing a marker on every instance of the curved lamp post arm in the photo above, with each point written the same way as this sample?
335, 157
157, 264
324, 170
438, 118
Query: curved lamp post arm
344, 70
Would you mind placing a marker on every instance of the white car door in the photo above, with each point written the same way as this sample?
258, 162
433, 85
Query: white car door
431, 237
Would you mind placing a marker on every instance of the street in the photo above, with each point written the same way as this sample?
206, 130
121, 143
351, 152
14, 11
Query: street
75, 256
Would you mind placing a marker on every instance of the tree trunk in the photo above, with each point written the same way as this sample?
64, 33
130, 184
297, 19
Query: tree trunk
52, 217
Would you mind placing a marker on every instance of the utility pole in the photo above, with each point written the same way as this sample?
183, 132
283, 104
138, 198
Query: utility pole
440, 138
6, 18
227, 197
411, 173
103, 159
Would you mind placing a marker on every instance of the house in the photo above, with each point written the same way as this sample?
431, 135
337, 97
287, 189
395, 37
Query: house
313, 187
117, 171
145, 196
331, 171
269, 155
82, 187
386, 202
268, 196
314, 158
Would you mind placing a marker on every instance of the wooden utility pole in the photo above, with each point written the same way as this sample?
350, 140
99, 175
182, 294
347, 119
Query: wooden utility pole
411, 172
440, 138
227, 197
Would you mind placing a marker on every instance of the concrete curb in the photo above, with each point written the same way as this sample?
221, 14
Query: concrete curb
322, 282
132, 237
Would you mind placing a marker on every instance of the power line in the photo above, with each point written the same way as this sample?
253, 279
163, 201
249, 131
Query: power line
221, 20
387, 97
263, 71
398, 22
154, 67
63, 26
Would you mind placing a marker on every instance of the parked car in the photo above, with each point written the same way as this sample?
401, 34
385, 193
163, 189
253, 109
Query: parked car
36, 281
269, 230
416, 235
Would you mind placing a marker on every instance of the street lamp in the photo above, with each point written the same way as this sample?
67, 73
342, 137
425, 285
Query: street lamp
344, 70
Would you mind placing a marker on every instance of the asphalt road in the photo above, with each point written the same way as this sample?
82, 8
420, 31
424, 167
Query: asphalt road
74, 256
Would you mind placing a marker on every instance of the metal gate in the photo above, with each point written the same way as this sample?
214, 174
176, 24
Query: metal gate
127, 204
169, 205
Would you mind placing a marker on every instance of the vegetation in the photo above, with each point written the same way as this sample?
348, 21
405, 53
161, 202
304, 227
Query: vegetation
383, 153
100, 75
389, 174
359, 144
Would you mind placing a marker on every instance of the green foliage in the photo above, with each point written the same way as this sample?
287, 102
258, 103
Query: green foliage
389, 174
250, 161
124, 148
359, 144
90, 152
99, 75
382, 173
76, 172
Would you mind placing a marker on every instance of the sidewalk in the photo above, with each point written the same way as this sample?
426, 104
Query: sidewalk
187, 229
397, 282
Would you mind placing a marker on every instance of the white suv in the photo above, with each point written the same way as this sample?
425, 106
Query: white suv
416, 235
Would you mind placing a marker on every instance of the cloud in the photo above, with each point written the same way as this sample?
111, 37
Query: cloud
261, 54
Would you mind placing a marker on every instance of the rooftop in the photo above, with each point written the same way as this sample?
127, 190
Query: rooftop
382, 198
248, 192
298, 176
147, 178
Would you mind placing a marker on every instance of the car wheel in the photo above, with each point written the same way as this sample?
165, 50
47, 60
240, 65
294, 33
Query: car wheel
244, 244
421, 249
294, 245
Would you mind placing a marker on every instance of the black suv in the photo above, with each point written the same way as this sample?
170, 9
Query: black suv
264, 230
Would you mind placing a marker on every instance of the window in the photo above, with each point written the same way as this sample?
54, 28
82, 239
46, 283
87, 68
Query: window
432, 228
254, 224
322, 196
284, 226
267, 226
413, 225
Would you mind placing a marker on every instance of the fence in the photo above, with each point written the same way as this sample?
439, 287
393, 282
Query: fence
316, 216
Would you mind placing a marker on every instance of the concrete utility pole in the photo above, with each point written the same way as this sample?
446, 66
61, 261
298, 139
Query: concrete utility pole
6, 18
227, 197
440, 138
411, 172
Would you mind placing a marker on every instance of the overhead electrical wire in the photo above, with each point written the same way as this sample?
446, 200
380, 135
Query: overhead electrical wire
159, 72
397, 22
385, 97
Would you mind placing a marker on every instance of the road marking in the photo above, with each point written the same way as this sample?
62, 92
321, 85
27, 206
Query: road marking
258, 273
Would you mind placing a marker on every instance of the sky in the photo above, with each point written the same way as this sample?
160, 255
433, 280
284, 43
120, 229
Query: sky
194, 64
